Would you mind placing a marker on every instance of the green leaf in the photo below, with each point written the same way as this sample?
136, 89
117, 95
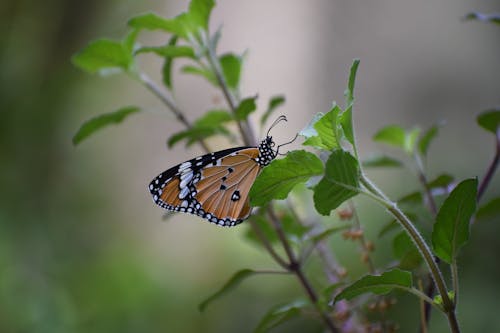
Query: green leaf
341, 182
167, 65
265, 227
349, 93
401, 244
274, 103
394, 225
393, 135
326, 131
405, 251
232, 283
213, 118
413, 198
150, 21
184, 25
451, 230
411, 139
493, 18
279, 314
280, 177
390, 226
382, 161
231, 67
199, 12
104, 56
489, 210
95, 124
210, 124
180, 26
206, 73
294, 230
170, 51
443, 180
246, 107
426, 139
129, 40
490, 120
377, 284
345, 119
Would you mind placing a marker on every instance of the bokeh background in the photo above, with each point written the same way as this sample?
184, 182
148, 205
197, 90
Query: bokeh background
82, 246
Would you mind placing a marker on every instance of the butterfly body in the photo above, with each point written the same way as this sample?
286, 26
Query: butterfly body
214, 186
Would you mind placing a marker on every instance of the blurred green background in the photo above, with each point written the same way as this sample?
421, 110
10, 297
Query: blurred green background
82, 246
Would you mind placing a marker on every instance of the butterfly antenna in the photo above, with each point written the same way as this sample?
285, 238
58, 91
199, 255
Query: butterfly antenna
286, 143
280, 118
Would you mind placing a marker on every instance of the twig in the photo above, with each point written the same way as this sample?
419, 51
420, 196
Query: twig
244, 128
423, 315
280, 261
491, 169
425, 184
431, 288
295, 267
153, 87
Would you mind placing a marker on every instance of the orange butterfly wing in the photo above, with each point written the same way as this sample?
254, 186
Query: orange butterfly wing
223, 189
214, 186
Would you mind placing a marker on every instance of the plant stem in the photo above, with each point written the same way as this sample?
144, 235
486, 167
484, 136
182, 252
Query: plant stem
430, 290
295, 267
454, 279
491, 169
244, 128
437, 276
425, 184
424, 322
268, 245
153, 87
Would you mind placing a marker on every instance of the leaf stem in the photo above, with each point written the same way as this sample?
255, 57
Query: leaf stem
437, 276
423, 297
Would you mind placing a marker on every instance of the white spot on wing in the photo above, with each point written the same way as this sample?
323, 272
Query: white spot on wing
183, 193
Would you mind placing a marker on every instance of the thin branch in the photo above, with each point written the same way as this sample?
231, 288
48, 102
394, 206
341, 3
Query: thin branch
431, 289
491, 169
244, 128
454, 279
423, 316
425, 184
281, 235
295, 267
155, 89
280, 261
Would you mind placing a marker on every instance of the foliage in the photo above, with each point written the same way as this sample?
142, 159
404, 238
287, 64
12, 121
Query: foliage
333, 171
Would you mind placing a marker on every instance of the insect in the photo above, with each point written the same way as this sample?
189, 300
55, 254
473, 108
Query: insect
215, 186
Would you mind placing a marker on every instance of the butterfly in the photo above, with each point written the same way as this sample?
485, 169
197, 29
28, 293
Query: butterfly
215, 186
